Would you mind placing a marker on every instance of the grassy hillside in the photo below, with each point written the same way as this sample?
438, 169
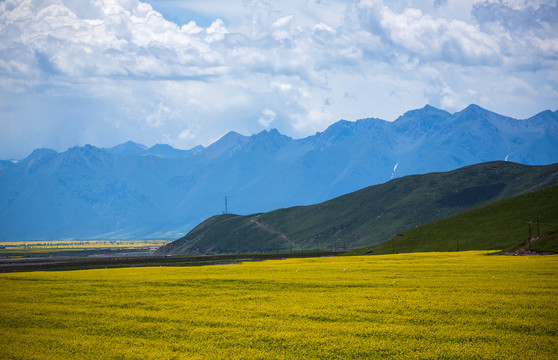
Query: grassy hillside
366, 217
502, 225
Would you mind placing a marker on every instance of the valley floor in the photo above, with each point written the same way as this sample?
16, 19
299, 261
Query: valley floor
425, 305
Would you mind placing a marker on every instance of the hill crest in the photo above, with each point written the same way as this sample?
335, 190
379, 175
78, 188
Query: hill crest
368, 216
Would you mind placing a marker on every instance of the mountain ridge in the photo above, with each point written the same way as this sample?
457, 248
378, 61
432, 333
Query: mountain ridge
366, 217
163, 192
500, 225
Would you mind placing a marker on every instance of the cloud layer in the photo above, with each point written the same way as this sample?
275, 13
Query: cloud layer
105, 71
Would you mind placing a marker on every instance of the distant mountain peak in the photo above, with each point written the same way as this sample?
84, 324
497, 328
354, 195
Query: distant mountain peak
229, 142
416, 123
232, 135
340, 126
427, 111
167, 151
268, 141
475, 113
132, 143
126, 149
275, 132
231, 138
267, 134
546, 114
161, 147
85, 148
39, 153
473, 109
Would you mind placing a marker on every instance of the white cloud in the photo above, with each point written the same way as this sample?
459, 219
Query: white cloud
158, 117
281, 27
426, 37
216, 31
126, 38
283, 87
306, 64
525, 29
312, 121
282, 22
267, 117
323, 27
188, 134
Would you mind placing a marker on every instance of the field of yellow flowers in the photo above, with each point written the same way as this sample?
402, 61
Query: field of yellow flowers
50, 245
433, 305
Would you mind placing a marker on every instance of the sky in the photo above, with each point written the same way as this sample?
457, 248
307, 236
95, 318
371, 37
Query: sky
102, 72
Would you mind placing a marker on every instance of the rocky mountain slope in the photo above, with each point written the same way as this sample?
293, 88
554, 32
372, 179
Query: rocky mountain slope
131, 191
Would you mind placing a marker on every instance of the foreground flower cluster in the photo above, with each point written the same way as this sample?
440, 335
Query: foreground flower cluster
432, 305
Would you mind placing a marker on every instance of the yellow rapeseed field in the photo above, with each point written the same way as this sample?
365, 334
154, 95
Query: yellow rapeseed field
80, 244
426, 306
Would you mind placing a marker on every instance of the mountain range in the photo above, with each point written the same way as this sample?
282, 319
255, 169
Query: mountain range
131, 191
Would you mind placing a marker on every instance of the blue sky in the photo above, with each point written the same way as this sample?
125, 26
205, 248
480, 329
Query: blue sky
186, 72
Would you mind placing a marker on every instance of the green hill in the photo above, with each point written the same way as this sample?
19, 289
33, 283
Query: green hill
501, 225
366, 217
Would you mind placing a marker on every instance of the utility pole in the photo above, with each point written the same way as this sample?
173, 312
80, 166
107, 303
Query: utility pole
529, 236
226, 210
538, 227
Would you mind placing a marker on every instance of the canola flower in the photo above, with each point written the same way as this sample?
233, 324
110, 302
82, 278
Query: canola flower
433, 305
81, 244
